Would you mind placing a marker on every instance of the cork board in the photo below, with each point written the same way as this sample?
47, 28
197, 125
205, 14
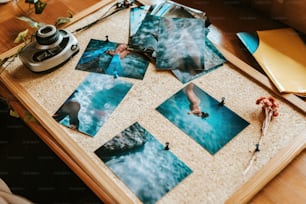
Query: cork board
214, 178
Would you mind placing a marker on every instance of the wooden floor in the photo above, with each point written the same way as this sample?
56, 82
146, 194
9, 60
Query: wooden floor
288, 187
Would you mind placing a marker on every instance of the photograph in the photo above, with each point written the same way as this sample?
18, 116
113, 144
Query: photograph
212, 60
212, 57
181, 44
147, 167
145, 38
137, 14
176, 10
92, 103
145, 24
114, 59
206, 120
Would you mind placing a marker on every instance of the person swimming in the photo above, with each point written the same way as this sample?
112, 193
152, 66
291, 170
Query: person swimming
70, 108
115, 68
194, 100
121, 50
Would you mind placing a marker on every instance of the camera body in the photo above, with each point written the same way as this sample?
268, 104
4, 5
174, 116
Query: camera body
50, 49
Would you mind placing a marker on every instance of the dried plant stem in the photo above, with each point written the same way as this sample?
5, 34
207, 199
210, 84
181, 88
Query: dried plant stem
264, 128
7, 61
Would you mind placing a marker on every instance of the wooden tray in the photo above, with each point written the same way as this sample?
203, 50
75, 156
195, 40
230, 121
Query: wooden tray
215, 178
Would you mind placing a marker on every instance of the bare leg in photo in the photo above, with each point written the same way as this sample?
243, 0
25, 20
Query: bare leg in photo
194, 100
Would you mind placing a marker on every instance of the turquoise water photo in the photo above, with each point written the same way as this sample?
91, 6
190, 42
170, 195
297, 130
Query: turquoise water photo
145, 38
180, 44
143, 163
112, 58
92, 103
144, 29
212, 60
137, 14
206, 120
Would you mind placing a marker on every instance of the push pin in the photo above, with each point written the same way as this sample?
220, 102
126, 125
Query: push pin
222, 102
116, 75
119, 4
127, 3
167, 146
257, 148
106, 38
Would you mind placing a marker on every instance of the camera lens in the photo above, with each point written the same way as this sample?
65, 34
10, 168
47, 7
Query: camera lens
47, 35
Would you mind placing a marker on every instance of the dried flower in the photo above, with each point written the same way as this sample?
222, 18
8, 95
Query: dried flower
270, 109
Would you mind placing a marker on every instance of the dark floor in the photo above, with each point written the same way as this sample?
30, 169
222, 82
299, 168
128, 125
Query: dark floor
32, 170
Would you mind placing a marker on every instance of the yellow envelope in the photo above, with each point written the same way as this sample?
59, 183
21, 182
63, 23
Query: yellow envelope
282, 55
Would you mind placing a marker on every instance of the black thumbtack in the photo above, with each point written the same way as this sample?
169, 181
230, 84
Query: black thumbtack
167, 146
106, 38
222, 102
115, 75
257, 148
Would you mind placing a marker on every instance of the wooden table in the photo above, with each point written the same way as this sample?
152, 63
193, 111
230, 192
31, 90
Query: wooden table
11, 26
226, 20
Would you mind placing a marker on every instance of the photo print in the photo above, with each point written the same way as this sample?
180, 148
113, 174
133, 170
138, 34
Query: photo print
112, 58
212, 60
181, 43
146, 166
92, 103
175, 10
145, 28
137, 14
207, 121
145, 38
212, 57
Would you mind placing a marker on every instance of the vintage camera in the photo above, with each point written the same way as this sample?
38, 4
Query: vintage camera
51, 49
